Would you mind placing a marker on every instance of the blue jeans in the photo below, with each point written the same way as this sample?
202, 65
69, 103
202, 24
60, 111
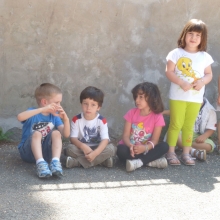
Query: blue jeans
26, 151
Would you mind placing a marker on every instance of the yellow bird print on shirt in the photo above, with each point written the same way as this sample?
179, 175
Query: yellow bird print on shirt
184, 64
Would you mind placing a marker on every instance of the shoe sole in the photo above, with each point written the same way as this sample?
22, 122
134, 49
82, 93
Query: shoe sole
57, 173
46, 176
187, 164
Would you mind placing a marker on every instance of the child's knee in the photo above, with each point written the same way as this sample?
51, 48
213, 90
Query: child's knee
56, 134
110, 148
37, 135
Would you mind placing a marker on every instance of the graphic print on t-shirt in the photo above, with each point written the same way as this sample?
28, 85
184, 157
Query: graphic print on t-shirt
91, 135
139, 134
184, 65
43, 127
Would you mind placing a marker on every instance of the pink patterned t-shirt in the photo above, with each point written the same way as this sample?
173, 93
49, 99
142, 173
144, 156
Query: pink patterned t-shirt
142, 127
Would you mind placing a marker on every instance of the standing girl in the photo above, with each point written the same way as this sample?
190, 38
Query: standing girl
189, 70
139, 145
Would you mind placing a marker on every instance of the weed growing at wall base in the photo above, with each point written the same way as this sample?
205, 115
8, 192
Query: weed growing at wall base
3, 136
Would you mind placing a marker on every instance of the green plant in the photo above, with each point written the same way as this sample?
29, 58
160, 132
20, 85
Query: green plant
3, 136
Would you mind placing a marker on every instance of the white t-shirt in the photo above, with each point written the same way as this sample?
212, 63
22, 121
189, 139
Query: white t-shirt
189, 67
91, 132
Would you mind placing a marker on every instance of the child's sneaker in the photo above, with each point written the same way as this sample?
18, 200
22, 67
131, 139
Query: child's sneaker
72, 162
132, 165
56, 168
159, 163
43, 170
108, 162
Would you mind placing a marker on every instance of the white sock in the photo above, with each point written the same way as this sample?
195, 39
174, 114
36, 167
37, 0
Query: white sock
56, 158
39, 160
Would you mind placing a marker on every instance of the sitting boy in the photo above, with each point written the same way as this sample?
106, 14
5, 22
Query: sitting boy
41, 142
89, 134
204, 128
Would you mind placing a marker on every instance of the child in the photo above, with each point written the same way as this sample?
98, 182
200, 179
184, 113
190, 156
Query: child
204, 128
40, 141
89, 134
139, 145
189, 70
218, 115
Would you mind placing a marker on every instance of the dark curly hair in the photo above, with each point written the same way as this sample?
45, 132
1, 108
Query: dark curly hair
152, 96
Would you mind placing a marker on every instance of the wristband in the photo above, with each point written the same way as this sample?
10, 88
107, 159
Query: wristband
151, 143
202, 80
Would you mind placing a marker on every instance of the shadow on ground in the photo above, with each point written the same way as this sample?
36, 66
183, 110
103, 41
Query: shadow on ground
20, 186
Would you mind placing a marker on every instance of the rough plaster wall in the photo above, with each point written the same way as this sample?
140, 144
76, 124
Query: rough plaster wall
109, 44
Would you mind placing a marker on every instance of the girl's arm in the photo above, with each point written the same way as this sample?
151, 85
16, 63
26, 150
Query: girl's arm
156, 135
166, 112
170, 73
126, 137
198, 84
127, 133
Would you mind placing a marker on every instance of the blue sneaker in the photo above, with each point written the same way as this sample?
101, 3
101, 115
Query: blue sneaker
43, 170
56, 168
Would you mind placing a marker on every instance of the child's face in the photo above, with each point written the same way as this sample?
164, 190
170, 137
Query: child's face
193, 40
56, 98
90, 108
141, 102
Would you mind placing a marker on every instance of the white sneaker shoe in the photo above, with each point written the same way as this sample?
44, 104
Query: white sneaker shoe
132, 165
159, 163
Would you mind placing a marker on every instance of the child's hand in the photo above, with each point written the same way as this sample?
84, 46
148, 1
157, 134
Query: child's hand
198, 84
139, 149
51, 108
186, 86
91, 156
131, 147
62, 114
200, 139
86, 149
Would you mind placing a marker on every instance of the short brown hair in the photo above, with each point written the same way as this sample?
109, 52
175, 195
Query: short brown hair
194, 25
152, 96
46, 90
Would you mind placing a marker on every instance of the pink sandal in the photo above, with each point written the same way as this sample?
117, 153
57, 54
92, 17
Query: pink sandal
172, 159
187, 160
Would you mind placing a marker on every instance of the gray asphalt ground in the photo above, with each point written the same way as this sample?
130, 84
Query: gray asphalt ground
109, 193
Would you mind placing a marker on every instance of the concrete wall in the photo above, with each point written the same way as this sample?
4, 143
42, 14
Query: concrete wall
111, 44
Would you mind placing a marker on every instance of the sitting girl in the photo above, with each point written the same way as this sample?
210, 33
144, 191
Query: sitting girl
139, 145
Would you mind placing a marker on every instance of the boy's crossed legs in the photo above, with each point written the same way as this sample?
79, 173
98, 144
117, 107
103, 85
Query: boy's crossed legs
37, 150
78, 157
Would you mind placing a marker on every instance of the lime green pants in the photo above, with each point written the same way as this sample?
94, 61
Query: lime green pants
182, 118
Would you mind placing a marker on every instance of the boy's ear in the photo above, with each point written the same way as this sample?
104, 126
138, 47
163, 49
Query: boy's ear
43, 102
98, 108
